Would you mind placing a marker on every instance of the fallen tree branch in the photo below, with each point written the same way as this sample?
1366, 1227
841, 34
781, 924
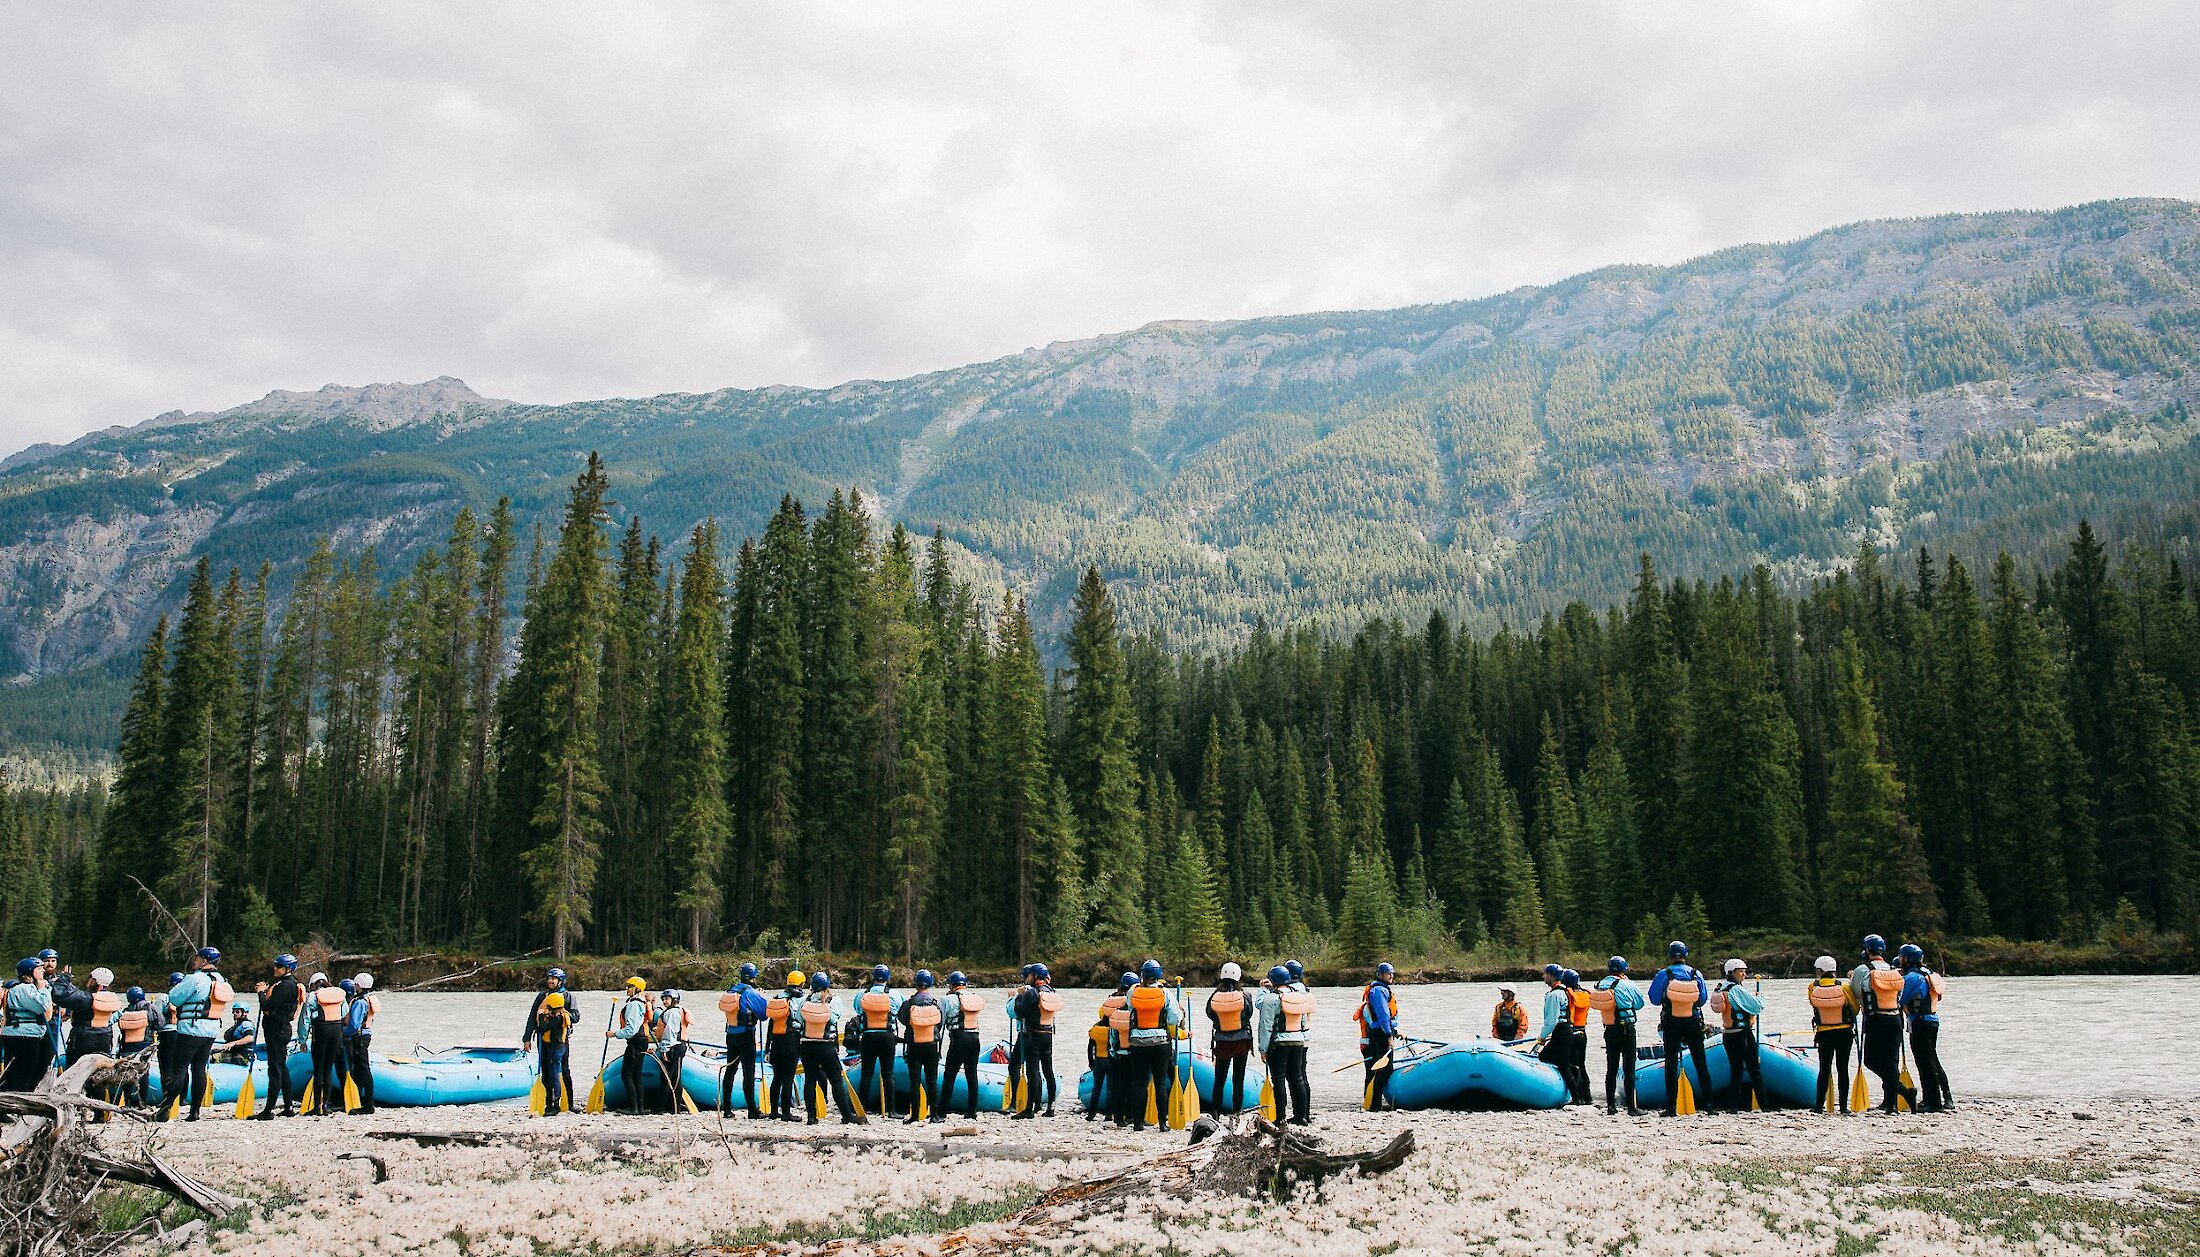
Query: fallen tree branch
381, 1167
453, 977
182, 935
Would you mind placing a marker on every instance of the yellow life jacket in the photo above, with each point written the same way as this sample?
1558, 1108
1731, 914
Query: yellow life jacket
1229, 1010
1098, 1040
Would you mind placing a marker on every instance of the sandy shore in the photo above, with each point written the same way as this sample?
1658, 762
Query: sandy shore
1990, 1178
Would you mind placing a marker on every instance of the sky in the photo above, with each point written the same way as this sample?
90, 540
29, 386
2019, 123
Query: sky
556, 201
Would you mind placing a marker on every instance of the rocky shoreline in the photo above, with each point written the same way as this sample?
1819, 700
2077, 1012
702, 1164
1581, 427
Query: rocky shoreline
1990, 1178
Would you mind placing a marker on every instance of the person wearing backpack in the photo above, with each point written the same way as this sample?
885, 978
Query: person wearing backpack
1230, 1013
551, 1030
632, 1029
959, 1010
783, 1047
1921, 991
671, 1032
1617, 1001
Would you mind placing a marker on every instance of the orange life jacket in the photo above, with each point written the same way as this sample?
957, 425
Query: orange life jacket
106, 1004
1148, 1006
1829, 1004
1577, 1007
1050, 1003
924, 1022
878, 1010
1722, 1006
1886, 989
330, 1003
1360, 1014
778, 1008
374, 1005
1229, 1010
1680, 997
1298, 1007
1606, 1004
133, 1024
1117, 1009
972, 1004
1934, 989
730, 1004
219, 1000
817, 1018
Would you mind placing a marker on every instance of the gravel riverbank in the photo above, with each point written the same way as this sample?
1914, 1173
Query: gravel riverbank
1993, 1177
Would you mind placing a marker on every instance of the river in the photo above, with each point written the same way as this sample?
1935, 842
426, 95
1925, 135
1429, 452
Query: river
2054, 1039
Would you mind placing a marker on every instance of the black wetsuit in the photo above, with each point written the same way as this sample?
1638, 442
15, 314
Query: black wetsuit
278, 1013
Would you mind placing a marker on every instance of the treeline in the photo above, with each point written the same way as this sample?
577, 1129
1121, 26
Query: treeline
842, 740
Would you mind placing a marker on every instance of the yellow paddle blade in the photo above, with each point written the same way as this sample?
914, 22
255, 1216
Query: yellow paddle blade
763, 1102
1684, 1096
1153, 1111
246, 1098
1754, 1107
310, 1103
884, 1076
1268, 1099
206, 1093
818, 1104
352, 1102
538, 1098
1826, 1097
595, 1096
688, 1100
1860, 1092
924, 1103
1909, 1085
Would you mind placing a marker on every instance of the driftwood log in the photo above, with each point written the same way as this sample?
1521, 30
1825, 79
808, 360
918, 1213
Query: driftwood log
953, 1142
1260, 1159
51, 1166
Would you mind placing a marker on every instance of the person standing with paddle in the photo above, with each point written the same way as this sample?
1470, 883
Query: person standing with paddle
744, 1007
819, 1023
1833, 1033
554, 983
959, 1012
1286, 1015
783, 1047
279, 1000
1738, 1009
1680, 993
552, 1029
1878, 990
632, 1029
1230, 1013
1378, 1018
1034, 1012
1154, 1019
1921, 989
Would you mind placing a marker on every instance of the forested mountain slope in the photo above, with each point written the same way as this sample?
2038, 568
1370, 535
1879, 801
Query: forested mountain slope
1977, 381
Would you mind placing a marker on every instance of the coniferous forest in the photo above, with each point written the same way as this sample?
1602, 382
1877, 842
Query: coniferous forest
823, 733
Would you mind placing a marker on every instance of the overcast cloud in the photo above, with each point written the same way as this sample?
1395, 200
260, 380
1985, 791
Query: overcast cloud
202, 202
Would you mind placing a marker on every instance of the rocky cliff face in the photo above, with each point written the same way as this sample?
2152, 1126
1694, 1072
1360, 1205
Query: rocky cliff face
1901, 382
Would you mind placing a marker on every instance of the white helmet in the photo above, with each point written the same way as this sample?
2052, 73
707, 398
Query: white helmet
103, 976
1732, 964
318, 979
1826, 964
1231, 972
364, 981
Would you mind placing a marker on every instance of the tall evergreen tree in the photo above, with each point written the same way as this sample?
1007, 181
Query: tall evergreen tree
1098, 731
1873, 874
698, 822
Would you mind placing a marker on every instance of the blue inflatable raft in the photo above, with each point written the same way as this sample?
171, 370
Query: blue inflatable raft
227, 1079
1472, 1074
1203, 1081
1790, 1077
470, 1073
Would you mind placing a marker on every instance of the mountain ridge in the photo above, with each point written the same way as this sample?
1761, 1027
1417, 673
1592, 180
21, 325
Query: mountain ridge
1970, 377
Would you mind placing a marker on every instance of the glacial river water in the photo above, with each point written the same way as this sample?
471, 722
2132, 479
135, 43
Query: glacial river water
2050, 1039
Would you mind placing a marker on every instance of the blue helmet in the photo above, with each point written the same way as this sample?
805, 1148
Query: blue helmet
286, 961
1278, 976
880, 973
557, 973
1617, 964
957, 979
175, 977
1874, 945
27, 966
1040, 973
1676, 950
1150, 971
1554, 969
1295, 969
48, 954
1028, 967
347, 987
924, 979
1128, 979
1912, 955
820, 980
1384, 970
211, 955
1570, 978
135, 994
748, 972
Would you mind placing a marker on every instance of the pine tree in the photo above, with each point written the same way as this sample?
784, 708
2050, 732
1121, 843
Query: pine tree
1049, 862
911, 763
776, 686
198, 742
1099, 729
698, 823
1873, 871
1364, 919
137, 816
1555, 838
560, 650
2039, 841
1269, 911
1608, 826
1192, 925
1455, 882
2149, 805
1742, 798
